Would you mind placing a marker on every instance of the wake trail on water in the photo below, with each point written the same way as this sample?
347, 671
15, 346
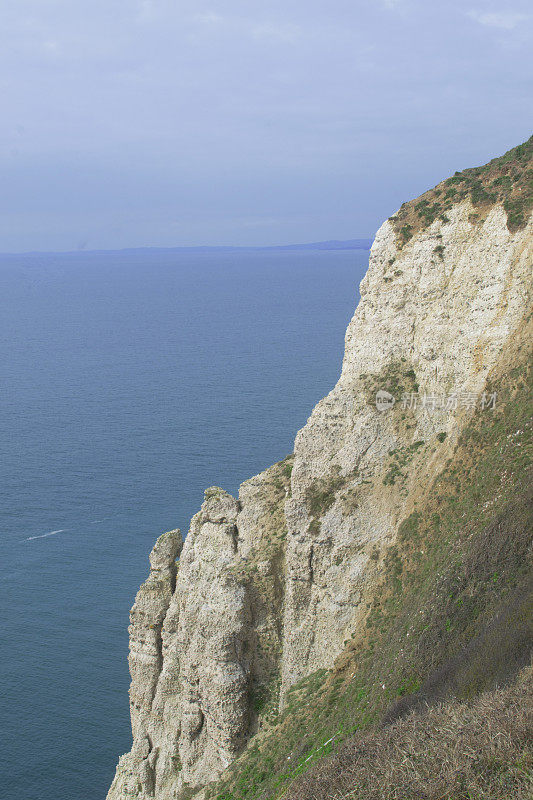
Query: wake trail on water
62, 530
44, 535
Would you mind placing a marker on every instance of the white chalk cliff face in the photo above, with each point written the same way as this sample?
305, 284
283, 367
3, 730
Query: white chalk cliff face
270, 586
432, 320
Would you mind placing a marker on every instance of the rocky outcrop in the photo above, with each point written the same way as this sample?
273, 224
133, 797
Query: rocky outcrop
135, 772
205, 645
271, 585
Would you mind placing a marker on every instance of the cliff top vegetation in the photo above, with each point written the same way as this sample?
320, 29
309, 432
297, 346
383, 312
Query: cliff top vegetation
507, 179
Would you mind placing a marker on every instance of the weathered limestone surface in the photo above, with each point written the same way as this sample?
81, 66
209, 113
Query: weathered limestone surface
205, 643
271, 585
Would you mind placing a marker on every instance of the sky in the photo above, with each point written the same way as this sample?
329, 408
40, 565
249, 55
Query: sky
131, 123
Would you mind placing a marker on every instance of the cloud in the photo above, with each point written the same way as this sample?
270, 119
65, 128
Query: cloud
208, 18
505, 20
287, 34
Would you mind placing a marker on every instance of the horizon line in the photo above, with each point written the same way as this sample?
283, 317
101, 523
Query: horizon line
363, 243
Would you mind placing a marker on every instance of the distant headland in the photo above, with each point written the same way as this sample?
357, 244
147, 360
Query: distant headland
330, 244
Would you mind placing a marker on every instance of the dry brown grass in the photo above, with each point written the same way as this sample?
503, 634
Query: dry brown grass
456, 751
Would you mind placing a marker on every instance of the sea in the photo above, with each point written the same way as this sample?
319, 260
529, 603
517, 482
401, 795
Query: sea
130, 382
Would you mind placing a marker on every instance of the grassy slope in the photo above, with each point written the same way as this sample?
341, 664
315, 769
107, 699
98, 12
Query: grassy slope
455, 751
452, 616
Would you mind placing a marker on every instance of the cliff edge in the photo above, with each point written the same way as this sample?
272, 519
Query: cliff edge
275, 587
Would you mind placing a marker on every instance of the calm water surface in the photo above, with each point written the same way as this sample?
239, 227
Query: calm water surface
129, 383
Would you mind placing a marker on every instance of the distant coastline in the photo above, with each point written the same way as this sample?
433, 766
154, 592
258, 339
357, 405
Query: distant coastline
330, 244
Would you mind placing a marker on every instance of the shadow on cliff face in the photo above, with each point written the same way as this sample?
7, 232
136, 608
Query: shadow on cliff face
491, 659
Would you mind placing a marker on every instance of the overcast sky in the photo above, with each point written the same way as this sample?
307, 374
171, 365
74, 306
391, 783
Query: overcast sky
176, 122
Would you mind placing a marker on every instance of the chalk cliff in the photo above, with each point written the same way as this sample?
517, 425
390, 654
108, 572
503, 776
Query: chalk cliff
270, 586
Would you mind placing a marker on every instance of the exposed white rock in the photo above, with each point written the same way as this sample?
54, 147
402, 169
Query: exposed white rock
135, 773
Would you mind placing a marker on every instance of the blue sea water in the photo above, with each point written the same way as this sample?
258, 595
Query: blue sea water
129, 383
